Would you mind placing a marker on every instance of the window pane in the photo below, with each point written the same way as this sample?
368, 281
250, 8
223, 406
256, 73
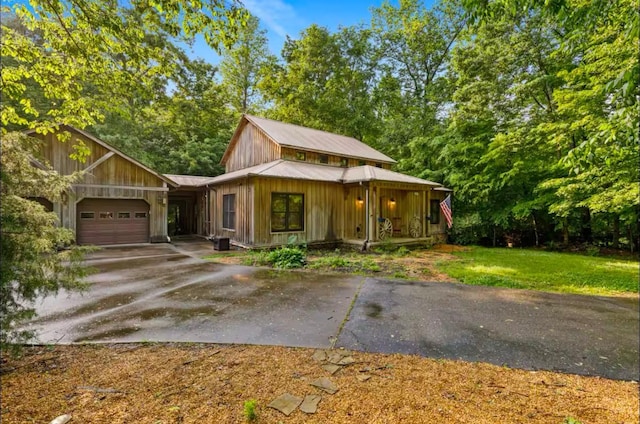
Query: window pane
106, 215
301, 156
295, 221
278, 221
140, 215
86, 215
124, 215
323, 159
295, 202
279, 202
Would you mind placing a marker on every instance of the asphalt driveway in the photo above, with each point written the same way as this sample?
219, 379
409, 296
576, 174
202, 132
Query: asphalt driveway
167, 293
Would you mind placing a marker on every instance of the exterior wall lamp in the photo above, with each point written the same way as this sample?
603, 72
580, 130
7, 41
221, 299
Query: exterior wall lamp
392, 201
360, 201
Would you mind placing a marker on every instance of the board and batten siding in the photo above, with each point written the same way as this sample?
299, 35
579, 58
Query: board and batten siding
251, 148
113, 178
323, 211
290, 153
243, 231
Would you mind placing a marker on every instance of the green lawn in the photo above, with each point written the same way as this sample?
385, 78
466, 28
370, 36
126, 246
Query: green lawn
547, 271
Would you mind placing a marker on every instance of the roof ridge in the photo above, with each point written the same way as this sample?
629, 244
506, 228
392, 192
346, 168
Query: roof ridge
302, 126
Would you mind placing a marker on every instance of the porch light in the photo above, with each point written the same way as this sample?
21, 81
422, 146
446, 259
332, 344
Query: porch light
392, 201
360, 200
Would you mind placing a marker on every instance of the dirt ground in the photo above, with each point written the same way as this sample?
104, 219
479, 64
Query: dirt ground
420, 265
189, 383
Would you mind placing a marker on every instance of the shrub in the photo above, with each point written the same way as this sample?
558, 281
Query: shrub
287, 258
333, 262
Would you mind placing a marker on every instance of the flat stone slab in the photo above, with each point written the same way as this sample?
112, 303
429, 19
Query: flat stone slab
285, 403
319, 356
363, 377
310, 404
331, 368
325, 385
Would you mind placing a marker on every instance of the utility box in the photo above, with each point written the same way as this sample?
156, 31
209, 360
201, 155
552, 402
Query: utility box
220, 243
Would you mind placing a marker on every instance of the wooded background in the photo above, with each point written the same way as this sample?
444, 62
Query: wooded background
527, 109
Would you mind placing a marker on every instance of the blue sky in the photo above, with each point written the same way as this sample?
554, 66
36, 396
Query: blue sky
289, 17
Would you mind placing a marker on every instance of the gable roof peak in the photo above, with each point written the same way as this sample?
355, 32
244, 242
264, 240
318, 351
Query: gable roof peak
304, 138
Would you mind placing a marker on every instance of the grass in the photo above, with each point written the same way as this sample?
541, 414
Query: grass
546, 271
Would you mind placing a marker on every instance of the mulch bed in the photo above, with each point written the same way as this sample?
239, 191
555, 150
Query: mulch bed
193, 383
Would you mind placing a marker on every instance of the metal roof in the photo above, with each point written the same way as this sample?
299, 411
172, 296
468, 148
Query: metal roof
296, 136
188, 180
372, 173
309, 171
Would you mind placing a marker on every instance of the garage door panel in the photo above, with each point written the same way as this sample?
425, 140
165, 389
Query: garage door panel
112, 221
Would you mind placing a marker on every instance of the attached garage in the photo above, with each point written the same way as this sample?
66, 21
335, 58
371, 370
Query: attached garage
115, 199
112, 221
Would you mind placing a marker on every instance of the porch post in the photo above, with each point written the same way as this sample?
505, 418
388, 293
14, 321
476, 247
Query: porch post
428, 204
423, 210
373, 196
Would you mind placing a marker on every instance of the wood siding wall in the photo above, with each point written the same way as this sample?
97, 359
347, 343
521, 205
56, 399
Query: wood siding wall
252, 148
323, 211
314, 157
115, 172
244, 207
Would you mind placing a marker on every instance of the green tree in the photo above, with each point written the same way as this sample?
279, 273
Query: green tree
325, 82
243, 65
31, 265
63, 63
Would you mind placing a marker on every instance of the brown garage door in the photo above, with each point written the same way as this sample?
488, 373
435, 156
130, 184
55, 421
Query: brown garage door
112, 221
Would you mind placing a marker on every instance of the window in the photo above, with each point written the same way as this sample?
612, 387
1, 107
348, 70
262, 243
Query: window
229, 211
378, 165
435, 211
301, 156
361, 163
287, 212
87, 215
140, 215
124, 215
344, 162
323, 158
106, 215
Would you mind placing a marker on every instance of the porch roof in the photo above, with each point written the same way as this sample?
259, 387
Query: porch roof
372, 173
188, 180
315, 172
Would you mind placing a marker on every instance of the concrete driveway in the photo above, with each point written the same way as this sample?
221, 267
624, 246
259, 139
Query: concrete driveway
166, 293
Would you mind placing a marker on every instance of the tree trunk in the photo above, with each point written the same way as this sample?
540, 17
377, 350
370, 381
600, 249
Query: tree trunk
494, 236
585, 228
565, 231
535, 230
616, 232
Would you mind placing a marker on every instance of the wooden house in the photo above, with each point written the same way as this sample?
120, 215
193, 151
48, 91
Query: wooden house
118, 200
286, 183
283, 183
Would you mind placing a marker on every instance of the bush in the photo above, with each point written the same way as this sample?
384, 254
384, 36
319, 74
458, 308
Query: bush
287, 258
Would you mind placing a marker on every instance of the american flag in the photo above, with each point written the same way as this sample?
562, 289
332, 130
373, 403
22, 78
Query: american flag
445, 206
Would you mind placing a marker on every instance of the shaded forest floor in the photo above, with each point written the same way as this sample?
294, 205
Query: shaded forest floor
168, 383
